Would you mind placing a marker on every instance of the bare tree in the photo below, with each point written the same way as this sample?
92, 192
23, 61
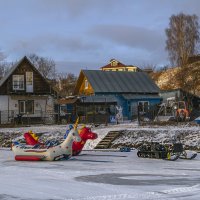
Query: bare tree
2, 56
4, 68
3, 65
46, 66
66, 83
182, 38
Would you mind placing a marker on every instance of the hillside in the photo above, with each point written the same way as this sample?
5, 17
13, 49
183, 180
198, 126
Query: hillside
187, 78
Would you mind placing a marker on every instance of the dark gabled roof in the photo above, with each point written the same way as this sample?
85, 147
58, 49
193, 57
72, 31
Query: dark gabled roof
120, 82
12, 69
119, 64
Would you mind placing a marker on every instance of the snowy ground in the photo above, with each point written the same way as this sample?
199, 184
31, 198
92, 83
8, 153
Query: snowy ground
96, 175
99, 176
133, 135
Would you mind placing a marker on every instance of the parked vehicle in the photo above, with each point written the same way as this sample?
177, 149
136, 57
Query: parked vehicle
165, 151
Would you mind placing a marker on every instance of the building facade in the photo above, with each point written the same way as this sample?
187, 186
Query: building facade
25, 94
115, 65
129, 89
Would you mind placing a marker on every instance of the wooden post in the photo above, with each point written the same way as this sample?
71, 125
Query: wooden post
138, 114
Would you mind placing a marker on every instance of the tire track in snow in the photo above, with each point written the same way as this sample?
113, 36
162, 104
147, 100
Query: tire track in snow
194, 188
144, 196
164, 194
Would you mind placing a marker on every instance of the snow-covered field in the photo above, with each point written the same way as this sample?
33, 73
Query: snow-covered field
133, 134
99, 176
96, 175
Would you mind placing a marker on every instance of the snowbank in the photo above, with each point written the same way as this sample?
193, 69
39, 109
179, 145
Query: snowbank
133, 135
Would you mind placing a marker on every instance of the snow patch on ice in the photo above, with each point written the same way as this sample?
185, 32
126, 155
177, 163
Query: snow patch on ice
182, 190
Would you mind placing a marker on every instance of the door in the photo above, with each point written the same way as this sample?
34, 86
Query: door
29, 81
134, 111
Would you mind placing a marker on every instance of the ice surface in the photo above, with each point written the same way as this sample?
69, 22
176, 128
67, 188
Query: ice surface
98, 175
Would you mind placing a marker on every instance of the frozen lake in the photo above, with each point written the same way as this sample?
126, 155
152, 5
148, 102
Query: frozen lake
99, 176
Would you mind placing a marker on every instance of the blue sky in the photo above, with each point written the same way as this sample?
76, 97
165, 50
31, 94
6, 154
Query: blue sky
86, 34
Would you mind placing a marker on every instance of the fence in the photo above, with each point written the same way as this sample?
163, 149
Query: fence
87, 115
97, 114
39, 117
13, 118
154, 116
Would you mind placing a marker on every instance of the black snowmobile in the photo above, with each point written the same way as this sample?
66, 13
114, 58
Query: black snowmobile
167, 152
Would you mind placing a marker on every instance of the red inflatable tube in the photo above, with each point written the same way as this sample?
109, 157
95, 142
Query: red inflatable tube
28, 158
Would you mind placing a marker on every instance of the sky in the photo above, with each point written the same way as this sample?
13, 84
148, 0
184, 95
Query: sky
86, 34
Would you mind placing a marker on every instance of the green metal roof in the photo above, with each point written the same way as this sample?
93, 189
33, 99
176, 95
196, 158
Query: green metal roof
141, 96
98, 99
120, 82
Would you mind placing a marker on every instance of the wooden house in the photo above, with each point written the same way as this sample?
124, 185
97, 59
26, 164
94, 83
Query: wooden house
25, 94
115, 65
128, 89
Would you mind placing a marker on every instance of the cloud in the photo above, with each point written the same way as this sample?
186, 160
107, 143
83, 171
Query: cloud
78, 8
57, 47
89, 30
131, 36
75, 66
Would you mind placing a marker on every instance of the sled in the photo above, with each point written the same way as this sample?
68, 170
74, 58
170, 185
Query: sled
172, 158
188, 155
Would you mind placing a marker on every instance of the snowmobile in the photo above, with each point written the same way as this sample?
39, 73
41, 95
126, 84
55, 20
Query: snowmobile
167, 152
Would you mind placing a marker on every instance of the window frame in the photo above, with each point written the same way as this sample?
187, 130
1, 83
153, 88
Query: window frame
143, 107
29, 76
25, 106
86, 84
16, 78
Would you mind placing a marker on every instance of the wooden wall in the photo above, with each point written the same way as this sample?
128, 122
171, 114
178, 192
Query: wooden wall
40, 85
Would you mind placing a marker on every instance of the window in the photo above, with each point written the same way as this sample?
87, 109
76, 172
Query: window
100, 109
29, 81
26, 107
86, 84
29, 78
143, 106
114, 63
18, 82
